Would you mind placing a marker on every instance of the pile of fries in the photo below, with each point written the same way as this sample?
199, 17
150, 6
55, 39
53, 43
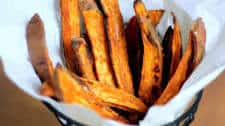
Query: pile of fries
118, 72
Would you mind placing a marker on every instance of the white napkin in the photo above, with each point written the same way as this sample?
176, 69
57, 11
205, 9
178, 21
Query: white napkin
13, 50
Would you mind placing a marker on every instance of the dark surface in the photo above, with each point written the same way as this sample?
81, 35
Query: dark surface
19, 109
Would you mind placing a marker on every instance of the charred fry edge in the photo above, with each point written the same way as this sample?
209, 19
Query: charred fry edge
135, 51
135, 46
172, 45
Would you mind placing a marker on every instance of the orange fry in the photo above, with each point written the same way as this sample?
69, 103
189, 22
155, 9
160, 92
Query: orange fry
70, 24
172, 49
47, 90
152, 66
135, 46
196, 37
94, 23
117, 98
83, 58
155, 16
71, 90
199, 45
140, 9
117, 43
37, 49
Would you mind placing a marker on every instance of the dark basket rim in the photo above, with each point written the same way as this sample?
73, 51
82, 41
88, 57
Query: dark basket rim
187, 117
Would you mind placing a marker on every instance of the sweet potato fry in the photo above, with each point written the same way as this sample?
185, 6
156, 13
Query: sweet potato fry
172, 49
70, 23
151, 74
117, 42
135, 50
113, 97
83, 58
155, 16
196, 36
135, 46
94, 23
152, 67
140, 9
70, 90
199, 44
37, 49
47, 90
118, 98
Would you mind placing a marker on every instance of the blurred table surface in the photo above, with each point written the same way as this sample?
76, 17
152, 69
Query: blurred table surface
17, 108
211, 111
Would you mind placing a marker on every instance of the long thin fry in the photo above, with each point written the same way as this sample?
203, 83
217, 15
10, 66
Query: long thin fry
117, 98
196, 36
199, 45
110, 96
70, 23
151, 74
117, 42
172, 48
37, 49
135, 46
70, 90
135, 51
94, 23
83, 58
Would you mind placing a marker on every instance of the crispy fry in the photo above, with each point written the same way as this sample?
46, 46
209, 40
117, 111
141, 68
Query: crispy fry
172, 49
70, 23
135, 46
117, 42
94, 24
113, 97
152, 67
196, 36
47, 90
83, 58
118, 98
199, 45
140, 9
71, 90
151, 74
155, 16
37, 49
135, 51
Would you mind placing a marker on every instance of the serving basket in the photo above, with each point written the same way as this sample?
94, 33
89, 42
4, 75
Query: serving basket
184, 120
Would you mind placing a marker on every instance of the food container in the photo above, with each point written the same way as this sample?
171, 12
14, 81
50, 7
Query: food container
20, 13
184, 120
